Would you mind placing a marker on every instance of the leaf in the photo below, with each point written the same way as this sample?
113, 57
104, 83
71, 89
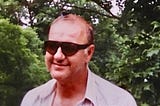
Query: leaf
152, 52
155, 24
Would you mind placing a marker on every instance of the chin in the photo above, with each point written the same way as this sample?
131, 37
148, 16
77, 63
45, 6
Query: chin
59, 75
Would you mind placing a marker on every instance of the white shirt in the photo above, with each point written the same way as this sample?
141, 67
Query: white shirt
99, 92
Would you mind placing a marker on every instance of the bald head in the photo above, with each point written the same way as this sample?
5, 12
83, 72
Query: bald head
75, 19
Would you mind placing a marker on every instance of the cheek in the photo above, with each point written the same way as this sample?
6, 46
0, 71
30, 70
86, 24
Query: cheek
79, 60
48, 60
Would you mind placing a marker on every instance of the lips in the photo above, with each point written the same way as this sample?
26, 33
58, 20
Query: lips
57, 65
60, 64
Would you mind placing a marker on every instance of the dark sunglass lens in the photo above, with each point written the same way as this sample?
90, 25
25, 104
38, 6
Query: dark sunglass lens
51, 47
69, 49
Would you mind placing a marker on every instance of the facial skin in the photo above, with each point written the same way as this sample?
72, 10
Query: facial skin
67, 68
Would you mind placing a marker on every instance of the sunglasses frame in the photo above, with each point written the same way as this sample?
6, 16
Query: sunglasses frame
74, 48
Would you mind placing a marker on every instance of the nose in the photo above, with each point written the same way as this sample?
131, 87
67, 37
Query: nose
59, 55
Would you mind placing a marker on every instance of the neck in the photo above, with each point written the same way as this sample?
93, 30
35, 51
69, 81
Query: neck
74, 87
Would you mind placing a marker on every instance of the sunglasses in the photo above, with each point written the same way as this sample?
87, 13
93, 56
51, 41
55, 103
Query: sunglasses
68, 48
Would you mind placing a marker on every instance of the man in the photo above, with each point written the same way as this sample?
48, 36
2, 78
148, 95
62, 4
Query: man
69, 49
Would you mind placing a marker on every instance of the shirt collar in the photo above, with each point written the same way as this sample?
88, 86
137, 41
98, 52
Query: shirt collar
91, 88
48, 88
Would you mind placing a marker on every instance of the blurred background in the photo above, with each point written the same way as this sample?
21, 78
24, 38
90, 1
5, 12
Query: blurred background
127, 39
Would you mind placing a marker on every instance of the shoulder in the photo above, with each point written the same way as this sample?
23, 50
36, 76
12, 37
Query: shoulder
36, 93
113, 94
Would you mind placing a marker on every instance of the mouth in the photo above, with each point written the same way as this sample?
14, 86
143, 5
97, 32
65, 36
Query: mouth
60, 65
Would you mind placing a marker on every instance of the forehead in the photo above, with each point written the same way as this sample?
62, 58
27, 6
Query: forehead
68, 31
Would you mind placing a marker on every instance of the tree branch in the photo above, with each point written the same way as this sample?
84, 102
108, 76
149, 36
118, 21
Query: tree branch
102, 14
106, 7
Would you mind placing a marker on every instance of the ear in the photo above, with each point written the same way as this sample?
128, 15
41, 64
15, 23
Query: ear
89, 52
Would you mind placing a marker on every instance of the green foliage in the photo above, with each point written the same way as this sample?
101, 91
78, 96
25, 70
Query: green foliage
139, 50
138, 14
9, 9
136, 65
104, 41
20, 60
127, 47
